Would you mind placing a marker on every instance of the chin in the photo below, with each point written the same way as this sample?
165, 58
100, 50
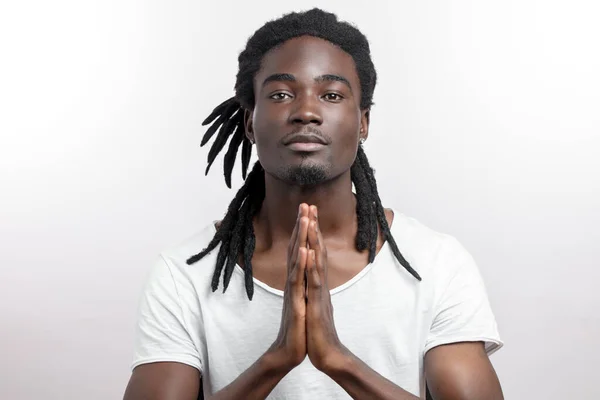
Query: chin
304, 174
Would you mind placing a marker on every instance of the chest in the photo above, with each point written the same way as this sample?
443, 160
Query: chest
379, 315
343, 264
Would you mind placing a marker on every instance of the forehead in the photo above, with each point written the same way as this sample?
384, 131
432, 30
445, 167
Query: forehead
308, 57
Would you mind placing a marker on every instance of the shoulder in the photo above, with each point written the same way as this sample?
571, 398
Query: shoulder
410, 230
190, 245
171, 273
432, 253
176, 256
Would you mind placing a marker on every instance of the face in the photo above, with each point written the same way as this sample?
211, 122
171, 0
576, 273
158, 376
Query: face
307, 120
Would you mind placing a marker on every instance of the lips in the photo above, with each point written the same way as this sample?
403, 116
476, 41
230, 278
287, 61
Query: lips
305, 138
305, 142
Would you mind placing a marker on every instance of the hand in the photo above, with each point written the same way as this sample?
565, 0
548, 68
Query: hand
291, 340
322, 342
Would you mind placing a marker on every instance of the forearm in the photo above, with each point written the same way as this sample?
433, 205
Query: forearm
362, 382
257, 381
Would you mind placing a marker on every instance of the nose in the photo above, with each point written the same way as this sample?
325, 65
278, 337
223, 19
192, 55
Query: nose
307, 111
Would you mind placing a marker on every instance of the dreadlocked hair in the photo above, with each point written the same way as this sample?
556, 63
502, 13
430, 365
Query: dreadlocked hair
235, 234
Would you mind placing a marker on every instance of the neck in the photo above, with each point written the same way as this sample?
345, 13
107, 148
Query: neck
334, 199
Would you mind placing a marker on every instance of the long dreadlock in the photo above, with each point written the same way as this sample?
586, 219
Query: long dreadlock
236, 233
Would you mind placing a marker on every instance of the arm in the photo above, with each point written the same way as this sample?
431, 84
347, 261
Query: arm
163, 380
458, 371
325, 350
161, 326
177, 381
461, 371
456, 363
362, 382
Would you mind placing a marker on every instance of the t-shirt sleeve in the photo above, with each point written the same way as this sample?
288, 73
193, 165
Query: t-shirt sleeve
462, 311
161, 331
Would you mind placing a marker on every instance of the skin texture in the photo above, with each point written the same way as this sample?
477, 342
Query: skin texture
305, 241
312, 101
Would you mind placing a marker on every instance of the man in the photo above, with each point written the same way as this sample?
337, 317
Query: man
326, 294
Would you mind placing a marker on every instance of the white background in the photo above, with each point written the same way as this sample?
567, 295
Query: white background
486, 126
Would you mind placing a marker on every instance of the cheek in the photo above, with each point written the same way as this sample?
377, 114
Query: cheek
347, 133
267, 122
346, 125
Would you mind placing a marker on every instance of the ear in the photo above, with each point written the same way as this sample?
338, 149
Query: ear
365, 118
248, 124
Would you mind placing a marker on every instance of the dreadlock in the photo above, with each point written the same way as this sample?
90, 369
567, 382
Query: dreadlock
236, 233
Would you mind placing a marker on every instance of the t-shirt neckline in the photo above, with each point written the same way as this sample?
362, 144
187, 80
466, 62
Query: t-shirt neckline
336, 289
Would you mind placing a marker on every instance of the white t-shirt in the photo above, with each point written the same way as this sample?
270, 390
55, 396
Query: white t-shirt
383, 315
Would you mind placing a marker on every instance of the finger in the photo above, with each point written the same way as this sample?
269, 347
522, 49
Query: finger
313, 213
298, 277
303, 234
318, 244
321, 256
293, 240
313, 284
298, 233
312, 217
312, 275
304, 210
313, 238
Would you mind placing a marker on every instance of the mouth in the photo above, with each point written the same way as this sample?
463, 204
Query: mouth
305, 146
305, 143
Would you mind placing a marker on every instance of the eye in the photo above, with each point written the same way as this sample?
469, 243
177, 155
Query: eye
335, 97
279, 96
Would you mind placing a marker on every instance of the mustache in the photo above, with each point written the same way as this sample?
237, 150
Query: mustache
306, 130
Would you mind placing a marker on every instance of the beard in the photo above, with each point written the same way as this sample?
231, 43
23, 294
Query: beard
304, 175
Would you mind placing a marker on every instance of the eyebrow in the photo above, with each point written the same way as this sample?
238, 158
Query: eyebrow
318, 79
333, 78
